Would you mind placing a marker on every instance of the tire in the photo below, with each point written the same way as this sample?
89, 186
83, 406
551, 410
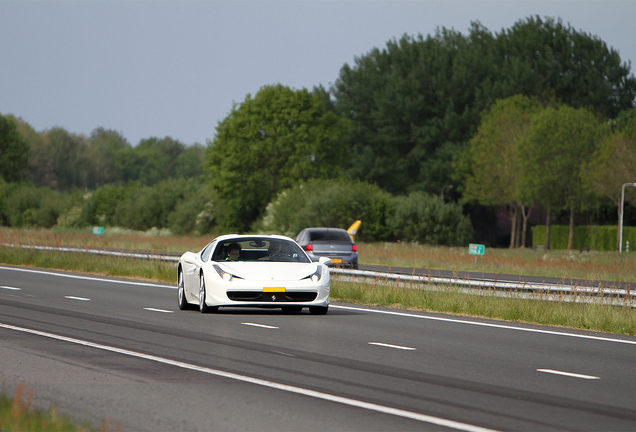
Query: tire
204, 308
292, 309
181, 297
318, 310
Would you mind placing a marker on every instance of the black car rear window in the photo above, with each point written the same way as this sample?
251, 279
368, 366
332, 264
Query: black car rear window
330, 235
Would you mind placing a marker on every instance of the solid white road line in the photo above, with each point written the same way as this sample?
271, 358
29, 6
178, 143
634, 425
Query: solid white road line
11, 288
259, 325
482, 324
265, 383
392, 346
70, 276
568, 374
77, 298
158, 310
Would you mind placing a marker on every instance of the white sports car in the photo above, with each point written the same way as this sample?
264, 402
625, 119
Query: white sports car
254, 271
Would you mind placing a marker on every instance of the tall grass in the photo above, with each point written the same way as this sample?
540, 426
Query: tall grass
93, 264
113, 238
593, 266
17, 414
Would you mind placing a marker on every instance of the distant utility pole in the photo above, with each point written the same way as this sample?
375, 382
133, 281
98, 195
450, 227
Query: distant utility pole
620, 222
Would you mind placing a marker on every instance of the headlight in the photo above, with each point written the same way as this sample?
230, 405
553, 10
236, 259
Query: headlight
316, 276
225, 275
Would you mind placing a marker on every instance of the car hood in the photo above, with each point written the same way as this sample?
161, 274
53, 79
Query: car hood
268, 271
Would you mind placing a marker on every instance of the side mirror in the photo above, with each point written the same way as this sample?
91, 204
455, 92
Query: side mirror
324, 260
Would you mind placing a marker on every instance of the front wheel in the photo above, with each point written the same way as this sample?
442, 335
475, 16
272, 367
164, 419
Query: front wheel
203, 307
318, 310
181, 298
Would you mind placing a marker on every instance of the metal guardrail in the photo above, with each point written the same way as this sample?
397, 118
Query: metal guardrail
543, 291
130, 254
525, 290
487, 284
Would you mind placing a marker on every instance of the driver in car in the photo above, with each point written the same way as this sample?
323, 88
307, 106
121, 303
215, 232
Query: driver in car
233, 252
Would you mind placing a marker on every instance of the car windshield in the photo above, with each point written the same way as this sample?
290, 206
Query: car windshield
262, 249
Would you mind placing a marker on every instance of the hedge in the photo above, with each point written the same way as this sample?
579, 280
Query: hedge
595, 237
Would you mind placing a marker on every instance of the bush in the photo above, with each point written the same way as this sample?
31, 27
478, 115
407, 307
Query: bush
186, 214
29, 206
173, 204
330, 203
5, 190
73, 218
100, 206
427, 219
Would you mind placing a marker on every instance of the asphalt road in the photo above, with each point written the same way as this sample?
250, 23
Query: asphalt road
106, 348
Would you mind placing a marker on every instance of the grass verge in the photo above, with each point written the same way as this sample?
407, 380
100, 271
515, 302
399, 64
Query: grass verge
595, 316
16, 414
104, 265
591, 266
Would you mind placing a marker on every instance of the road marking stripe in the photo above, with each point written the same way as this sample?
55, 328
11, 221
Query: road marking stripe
11, 288
87, 277
392, 346
77, 298
259, 325
569, 374
482, 324
270, 384
158, 310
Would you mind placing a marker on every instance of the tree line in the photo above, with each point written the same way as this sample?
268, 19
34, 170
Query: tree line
535, 116
61, 160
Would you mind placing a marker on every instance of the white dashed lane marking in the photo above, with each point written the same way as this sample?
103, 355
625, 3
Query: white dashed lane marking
11, 288
259, 325
392, 346
568, 374
77, 298
158, 310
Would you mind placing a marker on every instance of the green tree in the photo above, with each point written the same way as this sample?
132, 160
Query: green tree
546, 57
191, 162
14, 151
494, 161
156, 159
41, 167
110, 156
270, 143
69, 157
614, 164
415, 103
552, 155
412, 104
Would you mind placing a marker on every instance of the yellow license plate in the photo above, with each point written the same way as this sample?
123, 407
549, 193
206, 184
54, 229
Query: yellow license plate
274, 289
336, 260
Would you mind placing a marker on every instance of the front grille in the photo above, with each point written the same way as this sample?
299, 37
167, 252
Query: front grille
256, 296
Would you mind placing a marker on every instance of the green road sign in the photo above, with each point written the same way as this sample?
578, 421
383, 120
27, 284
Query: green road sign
98, 230
476, 249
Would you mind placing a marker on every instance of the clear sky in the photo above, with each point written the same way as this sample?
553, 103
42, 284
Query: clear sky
174, 68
